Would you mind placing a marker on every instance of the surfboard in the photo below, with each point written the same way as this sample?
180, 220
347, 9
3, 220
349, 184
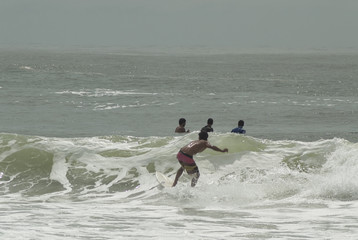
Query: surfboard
164, 180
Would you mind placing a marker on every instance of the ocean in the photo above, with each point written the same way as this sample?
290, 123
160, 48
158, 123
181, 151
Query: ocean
83, 133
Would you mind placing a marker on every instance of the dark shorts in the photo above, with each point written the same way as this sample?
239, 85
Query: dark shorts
187, 162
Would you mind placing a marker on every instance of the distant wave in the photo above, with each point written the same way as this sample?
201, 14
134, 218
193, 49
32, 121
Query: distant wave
26, 68
103, 92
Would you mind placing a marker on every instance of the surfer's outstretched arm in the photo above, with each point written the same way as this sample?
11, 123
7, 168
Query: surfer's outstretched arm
179, 173
215, 148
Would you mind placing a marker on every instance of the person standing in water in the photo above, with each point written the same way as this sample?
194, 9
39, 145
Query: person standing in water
185, 157
239, 129
208, 127
181, 127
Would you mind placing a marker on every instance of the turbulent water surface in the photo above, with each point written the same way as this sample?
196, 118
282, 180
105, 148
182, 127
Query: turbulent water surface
83, 133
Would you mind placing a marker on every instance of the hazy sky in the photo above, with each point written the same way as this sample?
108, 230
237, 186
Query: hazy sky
241, 24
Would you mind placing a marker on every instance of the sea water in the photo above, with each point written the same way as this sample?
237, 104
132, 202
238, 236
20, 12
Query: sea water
83, 133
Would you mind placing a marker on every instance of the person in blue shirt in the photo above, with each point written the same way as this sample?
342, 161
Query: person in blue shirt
239, 128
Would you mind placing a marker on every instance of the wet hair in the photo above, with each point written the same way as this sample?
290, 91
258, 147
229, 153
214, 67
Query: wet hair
241, 123
181, 121
203, 135
210, 121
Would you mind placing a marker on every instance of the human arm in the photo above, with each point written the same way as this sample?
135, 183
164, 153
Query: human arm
215, 148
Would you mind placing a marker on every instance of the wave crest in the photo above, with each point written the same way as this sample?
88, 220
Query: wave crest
126, 166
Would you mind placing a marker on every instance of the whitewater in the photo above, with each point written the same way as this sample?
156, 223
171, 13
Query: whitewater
83, 134
105, 188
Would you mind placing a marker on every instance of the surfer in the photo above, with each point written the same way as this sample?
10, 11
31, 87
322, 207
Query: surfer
181, 127
239, 129
208, 127
185, 157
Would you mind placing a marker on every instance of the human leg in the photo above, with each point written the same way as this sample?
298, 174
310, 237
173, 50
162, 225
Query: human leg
195, 179
177, 176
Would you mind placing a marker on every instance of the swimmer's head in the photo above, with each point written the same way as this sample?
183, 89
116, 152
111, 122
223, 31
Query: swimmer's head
182, 121
241, 123
203, 136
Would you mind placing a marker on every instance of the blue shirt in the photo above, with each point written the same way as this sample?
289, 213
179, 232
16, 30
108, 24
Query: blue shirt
238, 130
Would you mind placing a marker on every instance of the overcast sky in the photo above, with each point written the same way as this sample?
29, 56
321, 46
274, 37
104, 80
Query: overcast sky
240, 24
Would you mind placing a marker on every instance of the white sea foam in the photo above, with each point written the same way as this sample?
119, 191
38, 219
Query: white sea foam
255, 187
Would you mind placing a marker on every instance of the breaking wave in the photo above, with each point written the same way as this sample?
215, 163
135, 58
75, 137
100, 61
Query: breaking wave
254, 170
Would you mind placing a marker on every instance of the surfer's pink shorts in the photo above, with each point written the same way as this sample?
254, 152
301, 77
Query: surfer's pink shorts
187, 162
185, 158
